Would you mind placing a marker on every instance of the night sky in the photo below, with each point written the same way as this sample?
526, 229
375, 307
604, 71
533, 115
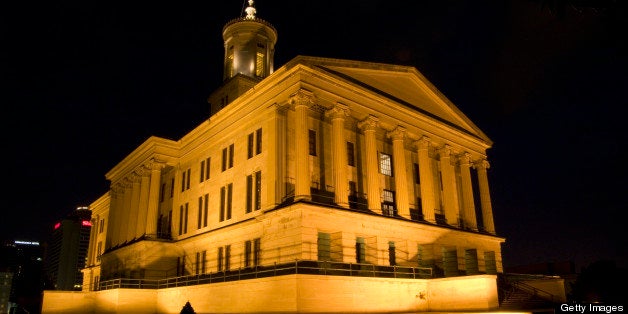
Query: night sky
84, 83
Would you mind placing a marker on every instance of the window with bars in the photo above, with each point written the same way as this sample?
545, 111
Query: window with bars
226, 193
388, 203
350, 154
312, 142
385, 164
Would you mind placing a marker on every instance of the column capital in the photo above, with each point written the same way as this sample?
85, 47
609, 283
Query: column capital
423, 142
465, 159
481, 164
302, 97
371, 123
398, 133
445, 151
338, 111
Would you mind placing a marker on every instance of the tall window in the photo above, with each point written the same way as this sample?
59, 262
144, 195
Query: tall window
385, 164
205, 164
251, 253
350, 154
171, 187
99, 251
415, 172
185, 180
392, 257
324, 246
220, 257
227, 157
102, 226
183, 219
254, 191
312, 142
388, 203
225, 201
360, 251
227, 257
200, 265
254, 143
203, 204
259, 64
229, 63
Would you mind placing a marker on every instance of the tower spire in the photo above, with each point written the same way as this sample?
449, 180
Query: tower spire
250, 11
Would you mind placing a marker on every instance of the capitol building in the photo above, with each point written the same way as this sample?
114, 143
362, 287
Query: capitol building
322, 186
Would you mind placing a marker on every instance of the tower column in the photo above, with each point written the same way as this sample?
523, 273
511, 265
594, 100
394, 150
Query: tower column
427, 179
369, 126
449, 186
468, 206
302, 100
341, 193
124, 213
153, 198
485, 196
117, 204
399, 167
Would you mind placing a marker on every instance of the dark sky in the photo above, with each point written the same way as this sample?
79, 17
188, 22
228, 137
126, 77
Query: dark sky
84, 83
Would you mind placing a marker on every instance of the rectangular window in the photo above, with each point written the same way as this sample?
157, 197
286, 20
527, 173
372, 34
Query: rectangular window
385, 164
249, 146
207, 167
259, 64
249, 193
254, 191
226, 193
204, 169
392, 257
312, 142
258, 190
203, 262
202, 172
99, 251
350, 154
227, 157
171, 187
231, 150
224, 159
227, 256
185, 220
324, 246
257, 251
220, 258
200, 213
248, 252
205, 209
185, 180
102, 226
181, 220
360, 251
388, 203
197, 264
258, 141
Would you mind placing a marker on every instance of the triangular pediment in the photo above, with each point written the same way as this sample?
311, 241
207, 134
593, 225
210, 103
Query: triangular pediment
403, 85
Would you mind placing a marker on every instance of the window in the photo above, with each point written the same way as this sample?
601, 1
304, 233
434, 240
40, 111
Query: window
250, 144
360, 251
227, 157
162, 192
257, 251
183, 219
254, 191
350, 154
415, 171
254, 144
203, 262
225, 201
205, 169
171, 187
181, 266
102, 226
185, 180
388, 203
392, 258
312, 142
324, 246
224, 256
99, 251
251, 253
229, 70
202, 211
258, 141
385, 164
197, 264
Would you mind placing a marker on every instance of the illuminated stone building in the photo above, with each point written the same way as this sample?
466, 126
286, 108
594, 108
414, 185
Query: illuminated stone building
323, 186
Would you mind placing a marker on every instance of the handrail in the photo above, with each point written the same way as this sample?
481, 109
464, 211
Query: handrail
328, 268
533, 290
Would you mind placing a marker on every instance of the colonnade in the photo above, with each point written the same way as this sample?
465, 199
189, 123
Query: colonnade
134, 206
453, 208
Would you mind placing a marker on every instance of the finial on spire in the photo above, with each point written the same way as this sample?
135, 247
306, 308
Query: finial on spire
250, 11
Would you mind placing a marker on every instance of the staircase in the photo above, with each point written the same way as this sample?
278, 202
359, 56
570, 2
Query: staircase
514, 295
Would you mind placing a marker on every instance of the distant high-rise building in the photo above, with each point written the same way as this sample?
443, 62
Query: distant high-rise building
21, 279
66, 250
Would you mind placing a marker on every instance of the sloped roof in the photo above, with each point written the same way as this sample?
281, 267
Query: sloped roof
401, 84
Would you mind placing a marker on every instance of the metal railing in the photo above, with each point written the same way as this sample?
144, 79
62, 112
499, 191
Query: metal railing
327, 268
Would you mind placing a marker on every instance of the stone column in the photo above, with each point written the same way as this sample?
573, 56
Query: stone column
113, 223
468, 206
399, 167
485, 196
369, 126
124, 213
302, 100
143, 203
427, 179
134, 208
339, 152
153, 199
449, 186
